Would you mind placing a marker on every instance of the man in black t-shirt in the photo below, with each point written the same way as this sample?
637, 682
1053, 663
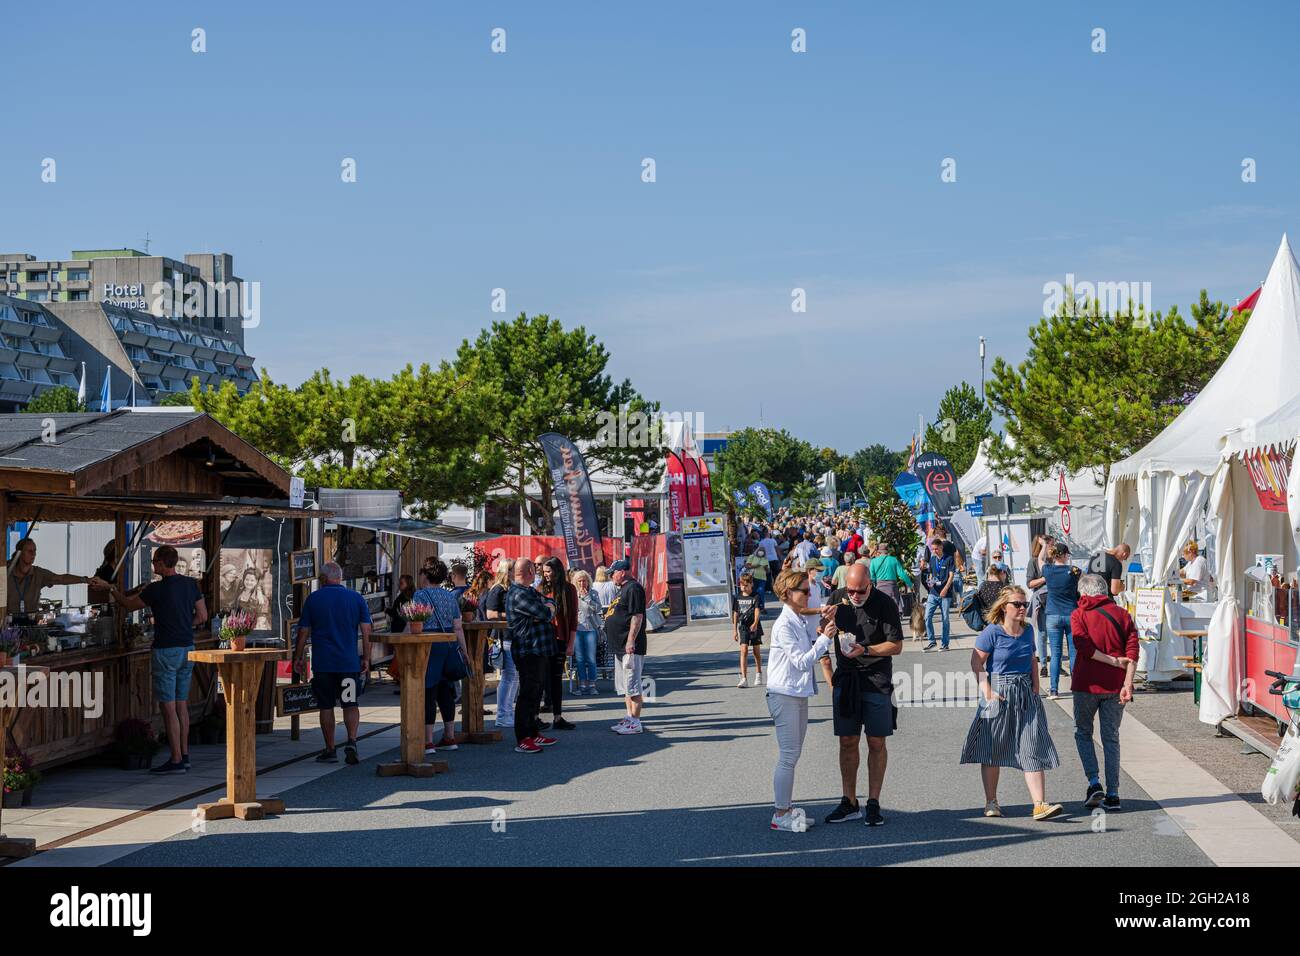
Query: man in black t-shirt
178, 608
1110, 565
625, 632
863, 686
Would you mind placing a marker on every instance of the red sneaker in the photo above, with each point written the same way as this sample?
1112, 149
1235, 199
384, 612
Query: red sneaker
526, 746
544, 741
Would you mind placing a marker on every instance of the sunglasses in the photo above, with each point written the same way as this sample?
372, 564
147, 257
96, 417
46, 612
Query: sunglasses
799, 590
1020, 604
857, 590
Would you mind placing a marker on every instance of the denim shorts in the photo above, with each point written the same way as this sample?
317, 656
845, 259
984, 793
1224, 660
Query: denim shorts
172, 670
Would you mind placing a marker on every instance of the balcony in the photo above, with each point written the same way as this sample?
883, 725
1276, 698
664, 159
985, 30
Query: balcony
32, 360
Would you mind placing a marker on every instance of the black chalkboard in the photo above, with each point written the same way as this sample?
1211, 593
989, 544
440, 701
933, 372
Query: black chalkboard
295, 699
303, 566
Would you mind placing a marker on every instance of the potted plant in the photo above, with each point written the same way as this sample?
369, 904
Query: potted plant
135, 742
416, 615
19, 780
212, 729
235, 628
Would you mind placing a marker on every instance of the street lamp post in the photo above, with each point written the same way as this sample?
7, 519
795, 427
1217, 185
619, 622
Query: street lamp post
981, 368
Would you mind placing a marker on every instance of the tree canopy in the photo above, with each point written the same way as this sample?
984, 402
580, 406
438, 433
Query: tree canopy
961, 424
1095, 388
54, 401
774, 457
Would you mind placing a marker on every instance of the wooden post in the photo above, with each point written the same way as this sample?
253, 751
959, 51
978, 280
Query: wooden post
4, 562
119, 543
477, 634
240, 671
412, 652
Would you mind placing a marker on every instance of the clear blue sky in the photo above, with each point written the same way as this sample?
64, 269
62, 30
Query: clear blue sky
775, 170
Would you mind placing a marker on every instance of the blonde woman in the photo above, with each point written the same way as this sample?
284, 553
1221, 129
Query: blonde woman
494, 609
1196, 573
1010, 727
590, 615
797, 643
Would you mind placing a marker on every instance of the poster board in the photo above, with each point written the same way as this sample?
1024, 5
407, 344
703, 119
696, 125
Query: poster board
706, 558
1149, 613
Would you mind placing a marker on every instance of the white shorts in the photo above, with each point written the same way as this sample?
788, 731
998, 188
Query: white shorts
627, 674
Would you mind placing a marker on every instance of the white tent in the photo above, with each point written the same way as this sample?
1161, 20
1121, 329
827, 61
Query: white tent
1087, 499
1156, 495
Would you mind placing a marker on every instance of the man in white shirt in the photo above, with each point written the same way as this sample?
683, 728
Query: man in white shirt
981, 553
804, 550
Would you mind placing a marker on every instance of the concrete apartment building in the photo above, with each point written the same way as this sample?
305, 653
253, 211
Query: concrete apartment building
104, 308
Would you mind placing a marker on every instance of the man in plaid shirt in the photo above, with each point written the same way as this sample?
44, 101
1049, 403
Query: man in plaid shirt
531, 619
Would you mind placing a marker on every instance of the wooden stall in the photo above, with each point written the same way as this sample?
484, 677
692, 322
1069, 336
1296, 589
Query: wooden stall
131, 467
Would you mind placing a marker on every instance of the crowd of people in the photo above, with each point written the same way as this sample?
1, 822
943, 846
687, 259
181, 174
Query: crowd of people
843, 602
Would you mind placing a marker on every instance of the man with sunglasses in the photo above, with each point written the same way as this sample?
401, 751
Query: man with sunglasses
863, 687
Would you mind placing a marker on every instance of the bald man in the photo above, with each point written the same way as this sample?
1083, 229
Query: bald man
530, 617
1110, 564
863, 687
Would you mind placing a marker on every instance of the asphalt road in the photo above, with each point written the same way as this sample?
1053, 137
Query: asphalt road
695, 789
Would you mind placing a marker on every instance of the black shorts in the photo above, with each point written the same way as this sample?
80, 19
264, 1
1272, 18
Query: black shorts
750, 638
336, 689
875, 720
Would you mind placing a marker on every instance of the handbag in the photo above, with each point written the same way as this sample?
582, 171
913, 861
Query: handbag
970, 611
456, 667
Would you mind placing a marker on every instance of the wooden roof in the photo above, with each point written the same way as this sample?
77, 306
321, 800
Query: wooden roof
147, 454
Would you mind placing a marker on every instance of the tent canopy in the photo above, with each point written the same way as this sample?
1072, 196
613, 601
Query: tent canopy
1084, 489
1258, 377
1276, 430
415, 528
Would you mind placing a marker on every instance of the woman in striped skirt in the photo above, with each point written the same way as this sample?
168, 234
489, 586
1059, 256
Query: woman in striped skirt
1010, 728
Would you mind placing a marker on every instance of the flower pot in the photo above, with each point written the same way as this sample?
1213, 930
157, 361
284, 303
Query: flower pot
237, 643
136, 761
27, 796
417, 627
13, 799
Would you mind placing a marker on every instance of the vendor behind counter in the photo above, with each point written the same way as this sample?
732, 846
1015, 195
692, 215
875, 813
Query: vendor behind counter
27, 580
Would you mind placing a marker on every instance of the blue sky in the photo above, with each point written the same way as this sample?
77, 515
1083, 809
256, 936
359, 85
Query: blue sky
775, 170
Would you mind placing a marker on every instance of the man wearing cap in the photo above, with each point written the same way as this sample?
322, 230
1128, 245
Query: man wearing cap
625, 632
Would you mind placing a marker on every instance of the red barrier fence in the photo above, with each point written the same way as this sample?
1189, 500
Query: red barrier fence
540, 546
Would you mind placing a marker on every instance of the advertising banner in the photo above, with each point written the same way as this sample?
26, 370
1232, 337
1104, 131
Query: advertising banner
758, 491
649, 557
694, 493
936, 475
676, 474
909, 488
708, 567
574, 501
1269, 472
705, 486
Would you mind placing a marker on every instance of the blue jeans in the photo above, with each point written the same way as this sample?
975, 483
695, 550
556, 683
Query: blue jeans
584, 655
1086, 707
172, 670
1058, 629
944, 604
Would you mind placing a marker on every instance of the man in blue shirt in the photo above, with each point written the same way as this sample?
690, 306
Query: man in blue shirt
331, 617
940, 574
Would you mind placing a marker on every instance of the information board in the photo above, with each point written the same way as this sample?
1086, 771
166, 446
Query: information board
1149, 613
303, 567
707, 565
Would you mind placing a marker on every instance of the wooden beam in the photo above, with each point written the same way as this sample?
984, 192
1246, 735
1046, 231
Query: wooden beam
4, 555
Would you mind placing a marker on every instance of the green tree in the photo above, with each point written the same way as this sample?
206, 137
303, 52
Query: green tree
876, 461
420, 432
804, 498
547, 379
890, 520
54, 401
776, 458
1093, 389
962, 423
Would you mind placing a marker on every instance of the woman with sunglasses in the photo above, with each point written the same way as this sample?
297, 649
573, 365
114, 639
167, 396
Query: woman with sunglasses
1010, 727
798, 641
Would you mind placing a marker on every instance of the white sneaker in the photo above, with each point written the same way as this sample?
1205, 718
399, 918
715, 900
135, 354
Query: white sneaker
631, 727
742, 682
759, 679
621, 723
796, 821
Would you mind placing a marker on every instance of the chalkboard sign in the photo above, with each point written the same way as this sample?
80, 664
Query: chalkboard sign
303, 565
294, 699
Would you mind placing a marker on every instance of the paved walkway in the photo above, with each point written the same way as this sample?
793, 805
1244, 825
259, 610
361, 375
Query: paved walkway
696, 790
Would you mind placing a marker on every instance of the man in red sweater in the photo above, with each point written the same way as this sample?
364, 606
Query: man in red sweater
1106, 644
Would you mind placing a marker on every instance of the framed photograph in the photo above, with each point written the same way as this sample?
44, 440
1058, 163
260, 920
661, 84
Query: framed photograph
303, 566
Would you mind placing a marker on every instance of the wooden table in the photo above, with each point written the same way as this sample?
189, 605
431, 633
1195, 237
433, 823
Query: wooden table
471, 698
241, 673
20, 847
412, 655
1196, 663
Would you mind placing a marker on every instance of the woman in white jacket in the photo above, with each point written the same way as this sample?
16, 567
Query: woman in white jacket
798, 641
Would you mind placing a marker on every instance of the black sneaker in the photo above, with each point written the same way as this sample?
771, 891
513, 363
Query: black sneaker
185, 761
1092, 799
350, 753
845, 811
874, 819
328, 756
1111, 804
562, 724
169, 767
930, 647
543, 725
1043, 672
